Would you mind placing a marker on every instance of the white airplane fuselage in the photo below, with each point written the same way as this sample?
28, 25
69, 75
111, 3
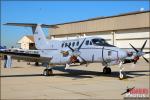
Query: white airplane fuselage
90, 52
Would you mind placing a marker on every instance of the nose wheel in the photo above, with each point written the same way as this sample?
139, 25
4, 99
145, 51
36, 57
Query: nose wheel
106, 70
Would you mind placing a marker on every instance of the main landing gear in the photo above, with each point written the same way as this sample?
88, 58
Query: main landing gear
48, 71
106, 70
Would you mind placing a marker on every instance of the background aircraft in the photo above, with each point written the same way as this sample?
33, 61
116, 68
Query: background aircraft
82, 50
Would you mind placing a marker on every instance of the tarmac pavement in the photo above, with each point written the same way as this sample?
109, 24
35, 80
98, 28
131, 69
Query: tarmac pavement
24, 81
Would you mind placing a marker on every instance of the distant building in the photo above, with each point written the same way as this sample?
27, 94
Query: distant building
27, 42
118, 30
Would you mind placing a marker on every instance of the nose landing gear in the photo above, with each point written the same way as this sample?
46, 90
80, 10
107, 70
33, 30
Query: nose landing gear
121, 75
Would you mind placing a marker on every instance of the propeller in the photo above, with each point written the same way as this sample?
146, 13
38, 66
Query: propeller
140, 53
76, 53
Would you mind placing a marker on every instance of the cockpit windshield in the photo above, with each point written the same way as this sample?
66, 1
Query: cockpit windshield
100, 42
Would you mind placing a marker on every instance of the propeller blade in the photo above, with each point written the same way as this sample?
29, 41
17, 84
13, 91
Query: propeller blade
70, 48
81, 44
82, 59
146, 52
134, 48
145, 59
143, 45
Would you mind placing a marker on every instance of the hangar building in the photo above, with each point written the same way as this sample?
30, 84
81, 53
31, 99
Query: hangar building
119, 30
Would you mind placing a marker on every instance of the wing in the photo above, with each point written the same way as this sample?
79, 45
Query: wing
26, 56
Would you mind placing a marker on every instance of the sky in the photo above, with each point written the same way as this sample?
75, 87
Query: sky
55, 12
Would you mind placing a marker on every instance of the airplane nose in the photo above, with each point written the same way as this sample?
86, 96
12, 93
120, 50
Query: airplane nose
122, 54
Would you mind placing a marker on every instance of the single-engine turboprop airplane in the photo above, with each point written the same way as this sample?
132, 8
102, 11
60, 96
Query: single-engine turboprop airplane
81, 50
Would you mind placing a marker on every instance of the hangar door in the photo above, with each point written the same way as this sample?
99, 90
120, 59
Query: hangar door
136, 37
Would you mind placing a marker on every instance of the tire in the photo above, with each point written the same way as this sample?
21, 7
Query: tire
122, 76
48, 72
45, 72
108, 70
105, 70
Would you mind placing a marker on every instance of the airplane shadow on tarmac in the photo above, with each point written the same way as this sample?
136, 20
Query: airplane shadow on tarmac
90, 74
79, 74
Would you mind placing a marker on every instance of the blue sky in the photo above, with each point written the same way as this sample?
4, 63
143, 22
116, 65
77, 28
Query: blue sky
54, 12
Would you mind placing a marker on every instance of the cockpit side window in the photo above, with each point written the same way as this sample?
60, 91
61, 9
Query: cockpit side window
97, 42
87, 42
100, 42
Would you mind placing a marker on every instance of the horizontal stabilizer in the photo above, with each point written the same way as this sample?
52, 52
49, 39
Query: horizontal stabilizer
31, 25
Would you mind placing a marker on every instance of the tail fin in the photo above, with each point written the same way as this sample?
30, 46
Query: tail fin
40, 40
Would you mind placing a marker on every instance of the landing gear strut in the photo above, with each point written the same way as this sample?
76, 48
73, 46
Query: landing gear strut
106, 70
48, 71
121, 75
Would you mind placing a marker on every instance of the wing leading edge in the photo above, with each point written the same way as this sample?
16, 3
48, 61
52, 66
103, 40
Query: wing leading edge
26, 56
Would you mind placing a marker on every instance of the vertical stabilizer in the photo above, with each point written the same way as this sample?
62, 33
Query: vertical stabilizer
40, 40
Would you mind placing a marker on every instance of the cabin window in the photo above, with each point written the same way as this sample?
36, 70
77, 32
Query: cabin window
62, 45
69, 43
66, 44
77, 43
87, 42
73, 44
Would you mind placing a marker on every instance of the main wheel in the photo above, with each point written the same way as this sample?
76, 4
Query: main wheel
106, 70
47, 72
50, 72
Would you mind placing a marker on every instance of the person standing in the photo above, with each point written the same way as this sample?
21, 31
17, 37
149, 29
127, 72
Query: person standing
5, 61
